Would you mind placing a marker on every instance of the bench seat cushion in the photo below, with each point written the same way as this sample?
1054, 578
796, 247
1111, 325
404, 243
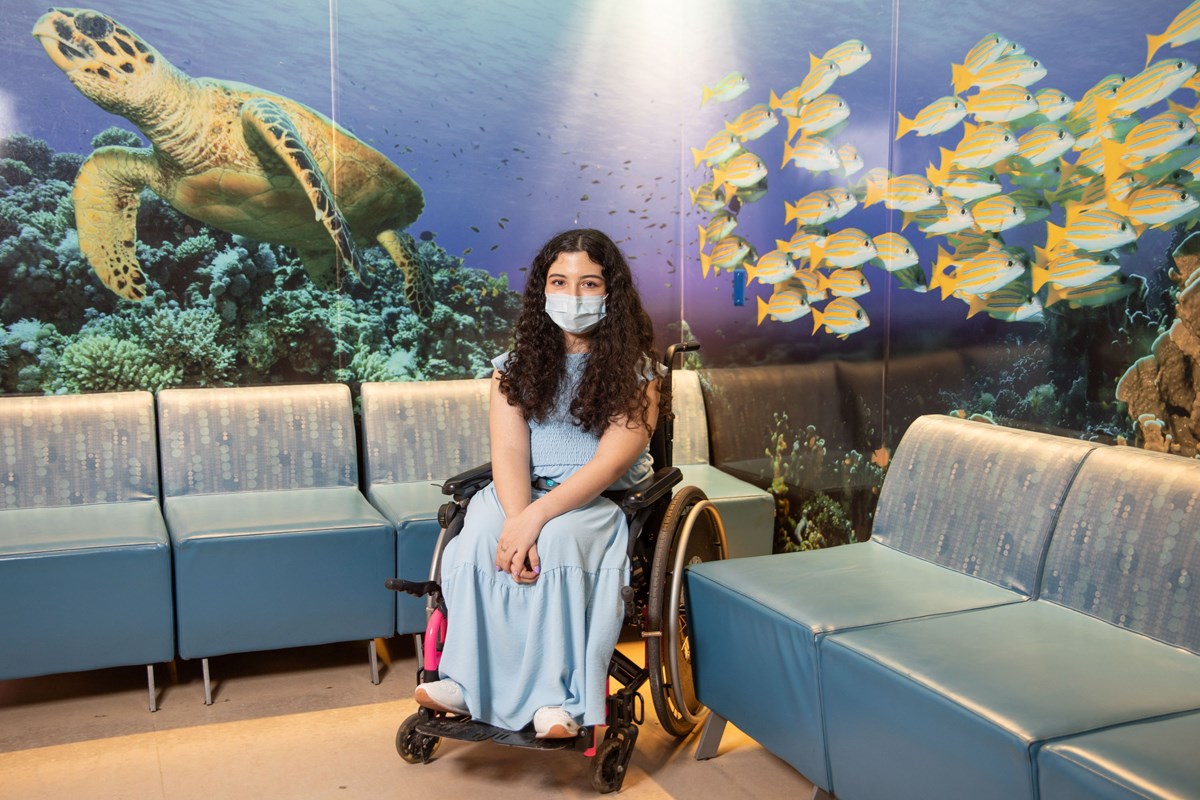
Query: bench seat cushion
951, 706
267, 570
774, 611
412, 508
1156, 759
747, 511
84, 587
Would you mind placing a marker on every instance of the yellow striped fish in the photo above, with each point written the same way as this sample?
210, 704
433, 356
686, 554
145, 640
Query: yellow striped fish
1168, 163
807, 281
784, 306
841, 316
814, 208
1152, 84
980, 274
1012, 303
728, 253
798, 246
789, 103
1044, 143
1094, 230
717, 150
849, 56
991, 47
902, 193
774, 267
996, 213
849, 247
1053, 104
981, 147
1192, 113
740, 172
820, 77
949, 216
1021, 174
1033, 203
819, 115
752, 193
1157, 205
1183, 29
848, 282
705, 198
1107, 290
811, 153
971, 184
894, 251
1155, 136
1068, 268
970, 242
1002, 103
844, 199
940, 115
752, 123
851, 160
727, 88
719, 226
1019, 69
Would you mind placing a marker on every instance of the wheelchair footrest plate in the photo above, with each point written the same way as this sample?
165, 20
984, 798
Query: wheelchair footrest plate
469, 730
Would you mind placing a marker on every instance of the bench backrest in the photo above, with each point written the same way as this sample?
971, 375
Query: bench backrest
1127, 545
264, 438
977, 498
424, 431
77, 449
690, 435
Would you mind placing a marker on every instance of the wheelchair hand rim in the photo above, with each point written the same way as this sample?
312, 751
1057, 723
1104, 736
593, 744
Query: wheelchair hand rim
702, 507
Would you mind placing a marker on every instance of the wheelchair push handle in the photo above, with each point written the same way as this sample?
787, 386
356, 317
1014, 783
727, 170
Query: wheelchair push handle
677, 348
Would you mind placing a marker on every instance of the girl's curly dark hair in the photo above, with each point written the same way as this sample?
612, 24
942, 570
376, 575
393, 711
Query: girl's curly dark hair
620, 344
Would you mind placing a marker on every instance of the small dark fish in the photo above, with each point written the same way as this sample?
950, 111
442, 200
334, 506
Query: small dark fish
475, 229
426, 236
584, 198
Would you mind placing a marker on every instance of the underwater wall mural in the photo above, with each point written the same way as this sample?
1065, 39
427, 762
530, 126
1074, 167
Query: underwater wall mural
955, 207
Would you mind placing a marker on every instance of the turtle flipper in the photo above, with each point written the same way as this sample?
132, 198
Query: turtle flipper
418, 283
265, 122
107, 194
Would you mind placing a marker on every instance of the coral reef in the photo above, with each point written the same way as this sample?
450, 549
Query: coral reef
808, 519
1162, 390
220, 310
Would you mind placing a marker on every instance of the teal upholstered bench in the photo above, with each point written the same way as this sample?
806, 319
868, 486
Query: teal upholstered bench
273, 544
1156, 758
963, 521
961, 705
416, 436
85, 569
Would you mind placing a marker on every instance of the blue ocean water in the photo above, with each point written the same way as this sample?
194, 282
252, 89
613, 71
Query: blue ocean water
524, 117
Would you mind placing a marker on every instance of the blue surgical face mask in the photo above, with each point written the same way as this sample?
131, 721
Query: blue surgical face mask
575, 314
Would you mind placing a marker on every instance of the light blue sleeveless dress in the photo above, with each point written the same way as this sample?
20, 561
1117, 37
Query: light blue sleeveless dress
515, 648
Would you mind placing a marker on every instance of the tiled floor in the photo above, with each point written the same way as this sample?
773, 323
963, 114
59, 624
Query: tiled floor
308, 723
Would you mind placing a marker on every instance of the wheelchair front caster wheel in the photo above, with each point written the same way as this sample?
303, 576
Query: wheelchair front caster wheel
608, 766
412, 745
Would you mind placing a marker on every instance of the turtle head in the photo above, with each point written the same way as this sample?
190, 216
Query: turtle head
106, 61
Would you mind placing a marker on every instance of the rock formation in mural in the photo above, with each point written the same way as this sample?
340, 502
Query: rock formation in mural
1162, 390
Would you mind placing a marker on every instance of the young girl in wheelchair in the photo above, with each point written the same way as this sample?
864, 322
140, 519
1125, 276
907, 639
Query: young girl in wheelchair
533, 582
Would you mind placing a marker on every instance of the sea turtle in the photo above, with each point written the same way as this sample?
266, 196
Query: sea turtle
237, 157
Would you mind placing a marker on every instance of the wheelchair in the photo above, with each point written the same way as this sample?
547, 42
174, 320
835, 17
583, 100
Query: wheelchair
671, 527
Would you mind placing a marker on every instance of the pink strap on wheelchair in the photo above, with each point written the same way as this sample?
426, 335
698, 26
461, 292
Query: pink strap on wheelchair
435, 636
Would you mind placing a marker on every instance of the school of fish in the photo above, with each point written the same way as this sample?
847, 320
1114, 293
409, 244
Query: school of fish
1122, 158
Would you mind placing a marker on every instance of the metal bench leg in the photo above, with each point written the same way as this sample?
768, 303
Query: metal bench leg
207, 683
150, 682
710, 737
373, 656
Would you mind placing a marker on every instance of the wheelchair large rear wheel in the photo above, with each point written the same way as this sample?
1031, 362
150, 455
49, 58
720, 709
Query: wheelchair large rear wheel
691, 533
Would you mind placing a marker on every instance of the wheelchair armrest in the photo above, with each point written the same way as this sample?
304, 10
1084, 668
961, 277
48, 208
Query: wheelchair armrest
660, 485
467, 483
